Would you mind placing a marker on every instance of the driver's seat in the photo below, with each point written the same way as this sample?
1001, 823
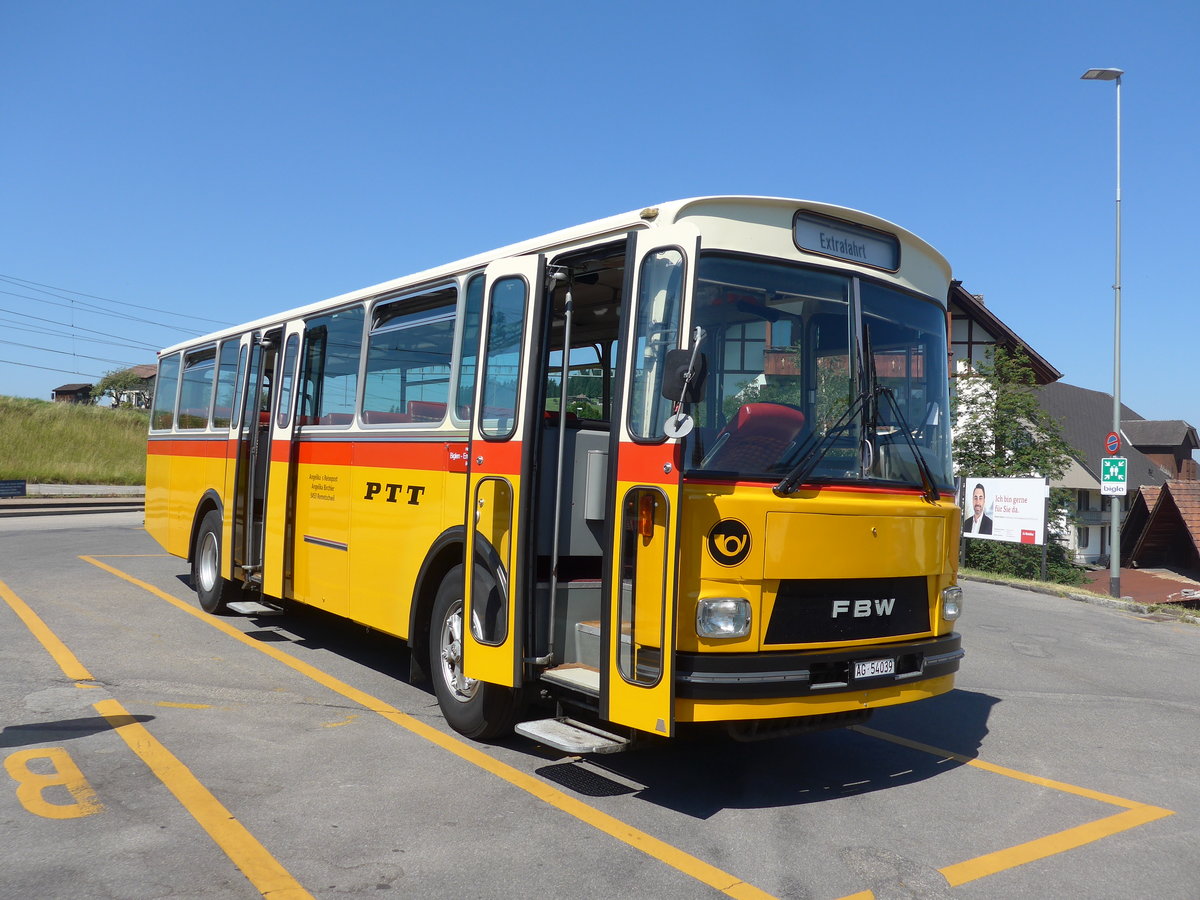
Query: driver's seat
756, 438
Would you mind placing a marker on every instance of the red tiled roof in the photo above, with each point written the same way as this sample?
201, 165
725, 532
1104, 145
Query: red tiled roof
1186, 495
1171, 530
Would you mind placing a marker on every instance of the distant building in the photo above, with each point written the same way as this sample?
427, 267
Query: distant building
142, 395
1157, 452
975, 330
1169, 443
72, 393
1163, 527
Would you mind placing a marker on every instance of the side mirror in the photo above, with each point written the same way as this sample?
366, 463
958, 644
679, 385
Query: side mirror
683, 376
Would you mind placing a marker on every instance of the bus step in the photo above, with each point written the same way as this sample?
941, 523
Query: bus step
576, 676
254, 608
571, 736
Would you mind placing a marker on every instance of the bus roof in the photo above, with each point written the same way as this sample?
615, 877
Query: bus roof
740, 207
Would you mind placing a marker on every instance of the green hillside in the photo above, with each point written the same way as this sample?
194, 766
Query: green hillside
61, 443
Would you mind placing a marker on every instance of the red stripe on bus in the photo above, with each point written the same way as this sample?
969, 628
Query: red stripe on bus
433, 456
218, 449
648, 463
502, 457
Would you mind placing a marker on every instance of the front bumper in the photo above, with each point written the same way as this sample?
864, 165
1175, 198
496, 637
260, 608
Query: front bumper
750, 676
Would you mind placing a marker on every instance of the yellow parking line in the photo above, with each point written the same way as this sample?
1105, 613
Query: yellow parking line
66, 660
254, 861
639, 840
989, 864
265, 872
1010, 858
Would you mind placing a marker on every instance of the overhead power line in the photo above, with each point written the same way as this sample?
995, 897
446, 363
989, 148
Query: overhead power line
73, 327
116, 362
49, 289
84, 306
13, 362
15, 325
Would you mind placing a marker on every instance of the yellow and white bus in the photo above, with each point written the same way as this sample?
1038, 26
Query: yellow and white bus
690, 464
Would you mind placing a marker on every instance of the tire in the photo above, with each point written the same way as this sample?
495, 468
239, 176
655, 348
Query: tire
475, 709
213, 591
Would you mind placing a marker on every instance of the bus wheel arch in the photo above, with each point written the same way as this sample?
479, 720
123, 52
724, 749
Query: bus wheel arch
444, 555
209, 502
213, 591
475, 709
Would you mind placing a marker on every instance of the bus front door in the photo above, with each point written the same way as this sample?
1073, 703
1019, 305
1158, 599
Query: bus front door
640, 585
253, 456
498, 568
279, 526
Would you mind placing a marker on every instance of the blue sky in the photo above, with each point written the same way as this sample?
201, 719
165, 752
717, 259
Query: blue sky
226, 160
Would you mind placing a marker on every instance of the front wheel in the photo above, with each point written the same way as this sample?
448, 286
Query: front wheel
213, 591
475, 709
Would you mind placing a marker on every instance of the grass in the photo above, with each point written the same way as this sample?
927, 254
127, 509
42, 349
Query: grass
1062, 590
1183, 612
63, 443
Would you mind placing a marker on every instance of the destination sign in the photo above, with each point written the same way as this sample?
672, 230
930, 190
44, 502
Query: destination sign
844, 240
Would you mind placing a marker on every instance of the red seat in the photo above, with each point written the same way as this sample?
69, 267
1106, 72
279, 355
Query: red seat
426, 410
375, 417
756, 438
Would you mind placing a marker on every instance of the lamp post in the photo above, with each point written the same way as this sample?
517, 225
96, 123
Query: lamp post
1114, 577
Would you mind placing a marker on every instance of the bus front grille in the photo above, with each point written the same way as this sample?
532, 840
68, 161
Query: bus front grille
824, 610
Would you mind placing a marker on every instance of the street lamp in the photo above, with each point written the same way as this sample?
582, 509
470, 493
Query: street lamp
1114, 577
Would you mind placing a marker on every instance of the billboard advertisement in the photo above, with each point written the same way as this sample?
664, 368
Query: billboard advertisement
1005, 509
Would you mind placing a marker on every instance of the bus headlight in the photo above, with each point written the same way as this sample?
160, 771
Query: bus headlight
723, 617
952, 598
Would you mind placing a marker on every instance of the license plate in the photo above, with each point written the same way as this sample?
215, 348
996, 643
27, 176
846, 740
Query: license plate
871, 668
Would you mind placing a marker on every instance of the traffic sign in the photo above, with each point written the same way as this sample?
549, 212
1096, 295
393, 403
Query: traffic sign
1112, 443
1112, 476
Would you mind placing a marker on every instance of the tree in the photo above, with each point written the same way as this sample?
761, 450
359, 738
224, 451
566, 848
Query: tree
1000, 431
126, 388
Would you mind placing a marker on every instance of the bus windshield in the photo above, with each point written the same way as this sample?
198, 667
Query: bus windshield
834, 376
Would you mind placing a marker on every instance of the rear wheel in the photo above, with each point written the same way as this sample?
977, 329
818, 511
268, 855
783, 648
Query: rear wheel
475, 709
213, 591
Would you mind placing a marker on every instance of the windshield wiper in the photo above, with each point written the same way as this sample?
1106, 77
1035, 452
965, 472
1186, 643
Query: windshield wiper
932, 494
820, 446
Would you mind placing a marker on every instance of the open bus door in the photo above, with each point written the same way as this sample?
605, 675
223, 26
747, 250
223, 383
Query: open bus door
278, 537
498, 572
253, 454
639, 593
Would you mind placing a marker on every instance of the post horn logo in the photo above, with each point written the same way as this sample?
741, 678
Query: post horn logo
729, 542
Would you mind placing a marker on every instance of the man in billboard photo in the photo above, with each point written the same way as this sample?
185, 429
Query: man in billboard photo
978, 523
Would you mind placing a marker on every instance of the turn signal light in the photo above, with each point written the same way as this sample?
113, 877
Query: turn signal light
646, 516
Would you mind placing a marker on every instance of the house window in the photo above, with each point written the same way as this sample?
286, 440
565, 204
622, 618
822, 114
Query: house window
1081, 537
1082, 502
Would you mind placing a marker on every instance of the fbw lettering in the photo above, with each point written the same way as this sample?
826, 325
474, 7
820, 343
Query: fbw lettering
376, 487
861, 609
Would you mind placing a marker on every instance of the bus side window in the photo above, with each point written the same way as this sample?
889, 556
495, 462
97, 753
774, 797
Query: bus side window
657, 332
163, 416
285, 391
329, 377
585, 384
195, 395
468, 348
227, 372
502, 361
408, 360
